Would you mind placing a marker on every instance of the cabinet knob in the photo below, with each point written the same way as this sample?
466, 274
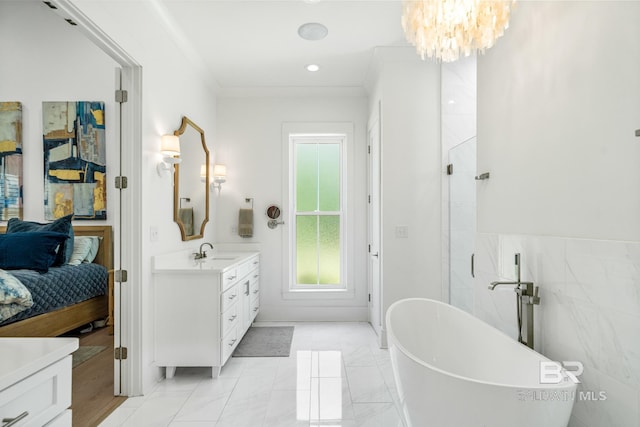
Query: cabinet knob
231, 277
233, 341
232, 296
255, 276
255, 292
255, 308
232, 318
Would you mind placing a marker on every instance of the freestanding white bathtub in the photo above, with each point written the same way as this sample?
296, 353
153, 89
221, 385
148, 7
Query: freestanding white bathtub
452, 369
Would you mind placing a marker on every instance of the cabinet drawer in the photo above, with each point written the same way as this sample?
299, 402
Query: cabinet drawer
243, 269
255, 289
229, 343
255, 306
62, 420
229, 297
229, 278
248, 267
229, 319
255, 274
43, 395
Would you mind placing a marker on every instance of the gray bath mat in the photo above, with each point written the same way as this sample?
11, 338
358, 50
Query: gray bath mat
265, 341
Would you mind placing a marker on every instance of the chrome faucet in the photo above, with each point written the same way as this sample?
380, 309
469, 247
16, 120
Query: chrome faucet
527, 296
202, 254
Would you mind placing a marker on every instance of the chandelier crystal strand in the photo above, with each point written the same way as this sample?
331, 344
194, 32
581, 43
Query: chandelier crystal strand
447, 29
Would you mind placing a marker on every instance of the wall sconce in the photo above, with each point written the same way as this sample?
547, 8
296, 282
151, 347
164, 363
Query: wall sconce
219, 177
170, 149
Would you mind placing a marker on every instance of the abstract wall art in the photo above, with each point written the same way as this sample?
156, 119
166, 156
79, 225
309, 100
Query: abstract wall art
74, 160
10, 160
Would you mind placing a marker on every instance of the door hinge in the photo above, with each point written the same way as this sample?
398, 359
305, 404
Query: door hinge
637, 132
369, 248
120, 276
121, 182
120, 353
450, 169
121, 96
369, 297
369, 149
369, 198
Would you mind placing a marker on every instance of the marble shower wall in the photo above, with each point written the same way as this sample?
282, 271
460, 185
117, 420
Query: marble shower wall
589, 312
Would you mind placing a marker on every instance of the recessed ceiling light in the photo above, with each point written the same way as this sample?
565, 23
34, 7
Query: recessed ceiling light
313, 31
312, 67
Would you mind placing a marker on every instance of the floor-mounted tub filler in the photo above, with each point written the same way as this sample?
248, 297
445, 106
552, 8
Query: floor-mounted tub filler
452, 369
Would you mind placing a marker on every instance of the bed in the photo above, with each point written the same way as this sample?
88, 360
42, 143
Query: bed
75, 315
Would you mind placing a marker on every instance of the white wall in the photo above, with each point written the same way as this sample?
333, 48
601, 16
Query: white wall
45, 59
409, 91
249, 137
557, 108
173, 86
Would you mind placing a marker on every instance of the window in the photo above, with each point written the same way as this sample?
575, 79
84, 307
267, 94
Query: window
317, 197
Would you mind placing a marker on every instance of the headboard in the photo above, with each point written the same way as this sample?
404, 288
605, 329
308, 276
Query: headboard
105, 251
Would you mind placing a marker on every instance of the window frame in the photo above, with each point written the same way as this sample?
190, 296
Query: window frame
322, 138
348, 292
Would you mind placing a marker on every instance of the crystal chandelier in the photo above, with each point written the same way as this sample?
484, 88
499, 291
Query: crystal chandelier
446, 29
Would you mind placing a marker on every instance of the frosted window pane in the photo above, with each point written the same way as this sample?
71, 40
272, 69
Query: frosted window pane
306, 177
329, 176
307, 250
329, 250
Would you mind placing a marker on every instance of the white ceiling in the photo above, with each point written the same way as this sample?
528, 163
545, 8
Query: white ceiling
255, 44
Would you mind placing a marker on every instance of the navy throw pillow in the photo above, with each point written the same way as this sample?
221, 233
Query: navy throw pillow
33, 250
60, 225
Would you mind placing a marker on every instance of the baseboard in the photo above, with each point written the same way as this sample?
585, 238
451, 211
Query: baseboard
382, 339
313, 314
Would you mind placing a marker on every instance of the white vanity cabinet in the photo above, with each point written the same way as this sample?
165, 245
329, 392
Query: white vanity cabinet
203, 308
35, 381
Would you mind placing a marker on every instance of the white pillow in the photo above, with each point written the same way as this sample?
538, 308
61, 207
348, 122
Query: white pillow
93, 250
81, 248
85, 249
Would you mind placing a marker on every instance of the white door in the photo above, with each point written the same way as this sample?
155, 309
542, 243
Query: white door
375, 285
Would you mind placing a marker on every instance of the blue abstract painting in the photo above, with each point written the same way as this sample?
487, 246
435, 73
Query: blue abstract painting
74, 160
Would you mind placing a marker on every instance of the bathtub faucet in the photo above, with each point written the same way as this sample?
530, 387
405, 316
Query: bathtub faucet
527, 297
526, 290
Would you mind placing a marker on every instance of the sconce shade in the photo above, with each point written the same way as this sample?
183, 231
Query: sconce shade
220, 171
170, 145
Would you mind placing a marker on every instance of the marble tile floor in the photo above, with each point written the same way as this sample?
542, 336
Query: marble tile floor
335, 376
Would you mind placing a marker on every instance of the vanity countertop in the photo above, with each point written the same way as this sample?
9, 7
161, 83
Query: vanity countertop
22, 357
184, 261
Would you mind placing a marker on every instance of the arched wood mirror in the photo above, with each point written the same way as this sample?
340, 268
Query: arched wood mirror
190, 189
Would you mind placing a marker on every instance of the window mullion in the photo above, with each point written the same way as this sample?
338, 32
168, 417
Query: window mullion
317, 250
317, 216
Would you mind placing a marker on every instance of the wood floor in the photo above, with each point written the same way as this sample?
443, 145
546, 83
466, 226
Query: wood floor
92, 398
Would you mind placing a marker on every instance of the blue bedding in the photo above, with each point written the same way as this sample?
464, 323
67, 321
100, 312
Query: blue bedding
60, 287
